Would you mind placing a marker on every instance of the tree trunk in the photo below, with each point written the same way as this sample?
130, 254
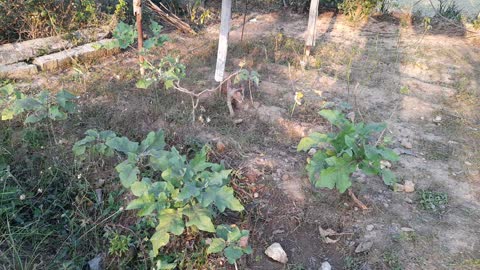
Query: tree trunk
223, 39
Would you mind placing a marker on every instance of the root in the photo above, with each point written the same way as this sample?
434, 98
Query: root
356, 200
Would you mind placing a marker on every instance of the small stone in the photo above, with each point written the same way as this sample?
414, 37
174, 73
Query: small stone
312, 152
326, 266
409, 186
370, 227
405, 143
406, 229
237, 121
408, 200
255, 195
276, 252
385, 205
385, 164
437, 119
398, 187
220, 147
364, 246
468, 163
96, 263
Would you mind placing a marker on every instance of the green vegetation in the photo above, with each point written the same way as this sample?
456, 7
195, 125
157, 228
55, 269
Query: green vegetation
433, 201
180, 195
342, 153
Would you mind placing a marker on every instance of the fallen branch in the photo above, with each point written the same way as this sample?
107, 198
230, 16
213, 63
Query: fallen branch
169, 17
356, 200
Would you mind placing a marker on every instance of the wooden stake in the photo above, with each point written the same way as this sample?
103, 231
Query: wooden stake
312, 26
137, 11
223, 39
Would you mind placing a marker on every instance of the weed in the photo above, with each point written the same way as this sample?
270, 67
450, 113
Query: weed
352, 263
119, 245
449, 9
433, 201
404, 90
341, 153
391, 259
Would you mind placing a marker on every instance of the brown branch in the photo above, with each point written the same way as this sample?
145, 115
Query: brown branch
356, 200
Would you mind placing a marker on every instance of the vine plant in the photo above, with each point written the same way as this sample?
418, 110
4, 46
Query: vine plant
342, 153
180, 194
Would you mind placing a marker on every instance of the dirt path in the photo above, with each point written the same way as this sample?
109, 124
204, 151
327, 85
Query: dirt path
425, 88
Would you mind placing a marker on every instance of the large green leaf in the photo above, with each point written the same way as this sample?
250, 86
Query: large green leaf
233, 254
171, 220
199, 217
128, 173
221, 197
335, 117
219, 178
388, 177
159, 239
311, 141
153, 141
337, 176
217, 245
388, 154
122, 144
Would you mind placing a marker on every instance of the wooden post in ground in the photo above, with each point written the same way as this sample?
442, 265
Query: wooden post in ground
312, 27
223, 39
137, 11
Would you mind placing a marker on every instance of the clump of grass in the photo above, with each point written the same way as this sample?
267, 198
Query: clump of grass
390, 258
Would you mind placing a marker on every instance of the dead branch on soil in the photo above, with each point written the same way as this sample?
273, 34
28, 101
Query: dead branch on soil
356, 200
169, 17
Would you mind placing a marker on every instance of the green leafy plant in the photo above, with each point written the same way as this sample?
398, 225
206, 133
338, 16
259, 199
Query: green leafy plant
433, 201
181, 194
232, 241
358, 9
38, 108
119, 245
342, 153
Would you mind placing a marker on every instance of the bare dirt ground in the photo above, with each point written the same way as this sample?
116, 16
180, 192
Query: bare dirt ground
385, 70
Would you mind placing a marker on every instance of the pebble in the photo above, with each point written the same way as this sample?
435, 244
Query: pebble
276, 252
370, 227
468, 163
96, 263
364, 246
437, 119
255, 195
312, 152
405, 143
408, 200
398, 187
326, 266
407, 229
409, 186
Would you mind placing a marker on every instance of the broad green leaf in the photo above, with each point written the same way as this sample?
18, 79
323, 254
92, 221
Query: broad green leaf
159, 239
217, 245
164, 265
219, 178
234, 235
153, 141
122, 144
221, 197
388, 154
311, 141
222, 231
350, 141
29, 104
139, 188
63, 99
316, 165
189, 191
144, 83
375, 127
7, 114
335, 117
55, 114
371, 152
35, 118
128, 173
337, 176
388, 177
171, 220
233, 254
199, 217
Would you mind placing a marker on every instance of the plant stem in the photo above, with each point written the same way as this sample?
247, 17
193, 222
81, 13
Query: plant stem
356, 200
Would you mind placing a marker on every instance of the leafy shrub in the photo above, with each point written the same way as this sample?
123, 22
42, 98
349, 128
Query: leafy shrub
342, 153
181, 194
29, 19
449, 9
359, 9
42, 106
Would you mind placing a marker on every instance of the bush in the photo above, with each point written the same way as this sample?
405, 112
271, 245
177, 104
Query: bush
28, 19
